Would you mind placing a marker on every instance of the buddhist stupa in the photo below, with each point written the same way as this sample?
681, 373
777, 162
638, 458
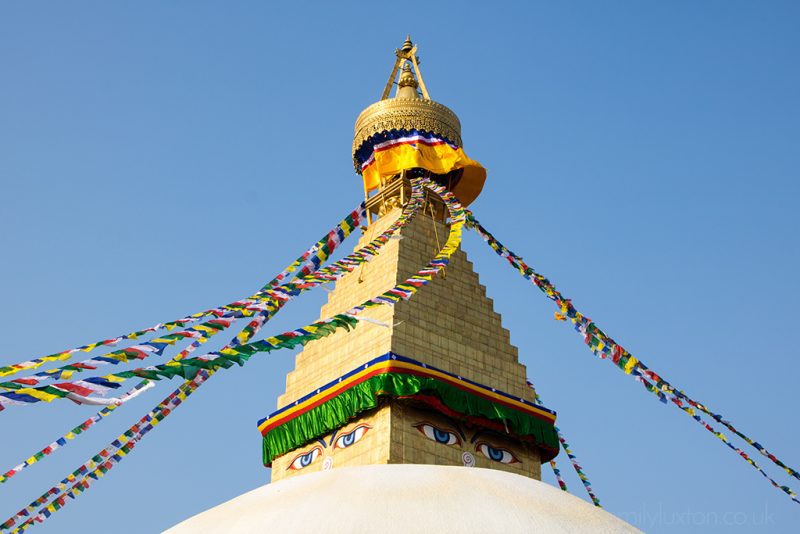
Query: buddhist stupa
420, 419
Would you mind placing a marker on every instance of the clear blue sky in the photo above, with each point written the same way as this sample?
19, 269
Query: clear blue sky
161, 158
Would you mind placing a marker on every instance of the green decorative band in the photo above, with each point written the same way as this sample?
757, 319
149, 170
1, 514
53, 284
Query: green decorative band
394, 376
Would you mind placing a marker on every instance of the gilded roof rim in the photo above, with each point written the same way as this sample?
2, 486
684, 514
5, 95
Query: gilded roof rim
408, 114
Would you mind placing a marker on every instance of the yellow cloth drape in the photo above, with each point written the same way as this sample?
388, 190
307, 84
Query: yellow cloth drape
439, 159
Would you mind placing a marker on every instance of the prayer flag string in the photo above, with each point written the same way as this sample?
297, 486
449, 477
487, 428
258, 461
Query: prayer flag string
316, 254
108, 410
102, 462
572, 458
72, 434
120, 447
559, 479
102, 385
652, 389
126, 442
155, 347
331, 241
606, 348
21, 388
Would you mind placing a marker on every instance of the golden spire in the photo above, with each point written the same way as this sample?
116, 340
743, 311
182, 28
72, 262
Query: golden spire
408, 53
407, 85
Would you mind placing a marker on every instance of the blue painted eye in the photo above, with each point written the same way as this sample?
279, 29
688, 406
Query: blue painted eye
496, 454
304, 460
351, 438
439, 435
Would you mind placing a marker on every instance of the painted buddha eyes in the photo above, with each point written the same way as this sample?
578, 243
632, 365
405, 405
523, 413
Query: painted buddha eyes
442, 435
301, 461
496, 454
351, 438
433, 433
304, 460
447, 436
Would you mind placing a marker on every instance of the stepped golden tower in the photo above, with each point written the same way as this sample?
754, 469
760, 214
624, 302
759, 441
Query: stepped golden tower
450, 325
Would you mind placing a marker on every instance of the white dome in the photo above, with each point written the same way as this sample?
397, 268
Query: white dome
405, 498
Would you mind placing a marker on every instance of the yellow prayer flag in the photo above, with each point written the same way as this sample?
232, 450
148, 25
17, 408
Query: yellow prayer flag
114, 378
630, 364
38, 394
204, 328
163, 340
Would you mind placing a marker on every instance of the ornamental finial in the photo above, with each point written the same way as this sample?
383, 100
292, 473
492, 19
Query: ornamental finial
407, 45
407, 84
